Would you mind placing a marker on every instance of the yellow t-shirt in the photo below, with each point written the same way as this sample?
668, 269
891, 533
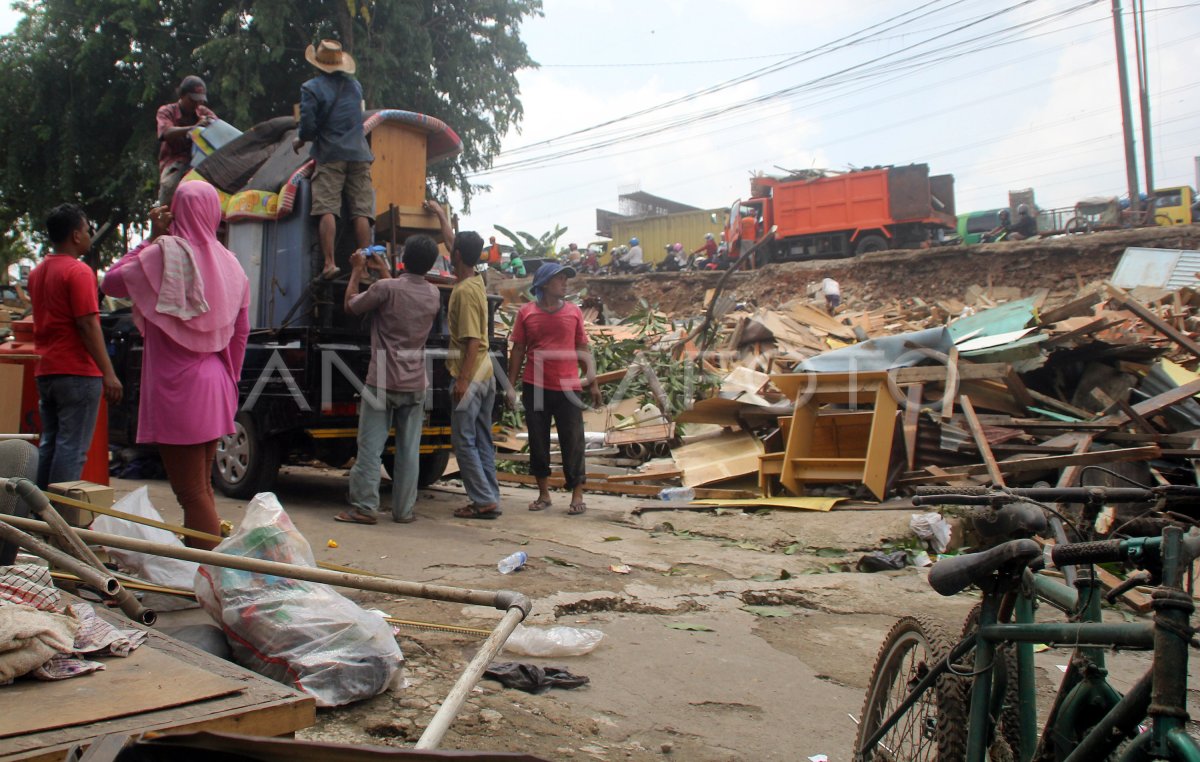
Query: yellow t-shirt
468, 316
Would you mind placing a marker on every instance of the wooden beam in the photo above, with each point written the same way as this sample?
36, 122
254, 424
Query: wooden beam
912, 421
951, 388
1145, 313
1096, 326
1019, 391
981, 442
636, 490
1041, 464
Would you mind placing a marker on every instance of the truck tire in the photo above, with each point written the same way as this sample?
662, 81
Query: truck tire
431, 466
869, 243
247, 462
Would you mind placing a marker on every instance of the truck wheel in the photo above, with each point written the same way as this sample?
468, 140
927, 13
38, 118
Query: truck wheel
431, 466
246, 463
869, 243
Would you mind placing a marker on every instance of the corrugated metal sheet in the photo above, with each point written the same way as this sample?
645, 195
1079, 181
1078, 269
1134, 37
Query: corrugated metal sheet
656, 233
1160, 268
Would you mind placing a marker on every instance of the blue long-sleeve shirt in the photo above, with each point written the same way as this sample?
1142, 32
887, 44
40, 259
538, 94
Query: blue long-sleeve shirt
333, 125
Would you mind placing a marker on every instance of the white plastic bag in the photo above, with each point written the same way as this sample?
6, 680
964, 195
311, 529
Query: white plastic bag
552, 641
933, 529
302, 634
169, 572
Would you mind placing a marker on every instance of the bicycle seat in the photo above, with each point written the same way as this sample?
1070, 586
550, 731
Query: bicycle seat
1012, 521
953, 575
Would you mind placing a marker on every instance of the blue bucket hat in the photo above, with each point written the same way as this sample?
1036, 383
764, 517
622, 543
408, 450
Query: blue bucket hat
547, 271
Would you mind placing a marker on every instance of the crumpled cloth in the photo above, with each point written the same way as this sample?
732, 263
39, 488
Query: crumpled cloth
52, 652
531, 678
29, 638
181, 293
31, 585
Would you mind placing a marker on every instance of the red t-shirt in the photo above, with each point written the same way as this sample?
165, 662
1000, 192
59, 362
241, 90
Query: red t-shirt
179, 149
550, 340
62, 288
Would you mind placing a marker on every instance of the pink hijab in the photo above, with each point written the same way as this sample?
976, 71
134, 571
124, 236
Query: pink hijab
197, 213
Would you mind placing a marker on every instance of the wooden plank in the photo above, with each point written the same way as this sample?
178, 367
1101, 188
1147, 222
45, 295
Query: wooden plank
671, 473
636, 490
912, 421
1095, 326
981, 442
1043, 464
1157, 402
951, 388
1145, 313
1019, 391
1057, 404
1139, 602
967, 371
1081, 306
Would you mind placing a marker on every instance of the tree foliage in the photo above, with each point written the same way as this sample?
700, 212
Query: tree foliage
529, 246
80, 81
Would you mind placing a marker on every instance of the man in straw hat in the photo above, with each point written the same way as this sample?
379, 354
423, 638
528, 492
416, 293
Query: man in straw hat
331, 117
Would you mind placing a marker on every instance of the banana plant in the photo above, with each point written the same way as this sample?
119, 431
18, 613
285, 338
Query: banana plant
528, 245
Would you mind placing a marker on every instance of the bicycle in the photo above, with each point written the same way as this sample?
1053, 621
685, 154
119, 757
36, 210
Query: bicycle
925, 701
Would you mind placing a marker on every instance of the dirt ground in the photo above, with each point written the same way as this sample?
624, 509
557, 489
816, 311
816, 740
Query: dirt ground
786, 686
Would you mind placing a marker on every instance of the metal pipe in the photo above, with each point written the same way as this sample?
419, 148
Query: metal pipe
105, 583
1129, 635
35, 499
499, 599
462, 689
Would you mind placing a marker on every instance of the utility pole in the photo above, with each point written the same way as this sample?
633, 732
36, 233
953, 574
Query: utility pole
1126, 111
1141, 54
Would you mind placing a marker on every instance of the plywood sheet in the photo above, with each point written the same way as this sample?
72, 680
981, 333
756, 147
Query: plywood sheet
11, 379
717, 459
146, 680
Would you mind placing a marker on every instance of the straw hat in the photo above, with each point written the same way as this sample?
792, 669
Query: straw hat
328, 56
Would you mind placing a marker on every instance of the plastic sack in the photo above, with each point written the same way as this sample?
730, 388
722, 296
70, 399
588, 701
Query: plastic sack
552, 641
933, 529
169, 572
302, 634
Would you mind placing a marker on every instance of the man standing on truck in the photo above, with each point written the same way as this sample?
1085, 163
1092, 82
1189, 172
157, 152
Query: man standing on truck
73, 368
175, 122
474, 384
402, 311
331, 116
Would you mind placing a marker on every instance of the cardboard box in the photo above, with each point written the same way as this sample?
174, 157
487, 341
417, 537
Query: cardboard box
86, 492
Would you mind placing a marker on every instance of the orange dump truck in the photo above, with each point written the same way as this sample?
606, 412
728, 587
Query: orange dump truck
844, 214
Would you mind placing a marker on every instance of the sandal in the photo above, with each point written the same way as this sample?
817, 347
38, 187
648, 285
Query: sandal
539, 505
477, 512
329, 273
577, 508
355, 516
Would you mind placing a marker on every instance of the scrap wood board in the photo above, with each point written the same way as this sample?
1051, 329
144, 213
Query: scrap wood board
600, 484
237, 701
145, 680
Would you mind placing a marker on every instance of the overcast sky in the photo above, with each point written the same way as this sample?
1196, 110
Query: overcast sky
1003, 94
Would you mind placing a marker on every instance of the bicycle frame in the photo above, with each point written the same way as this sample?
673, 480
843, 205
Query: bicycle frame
1089, 718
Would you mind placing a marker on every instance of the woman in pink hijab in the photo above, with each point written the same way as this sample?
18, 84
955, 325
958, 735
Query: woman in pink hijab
191, 302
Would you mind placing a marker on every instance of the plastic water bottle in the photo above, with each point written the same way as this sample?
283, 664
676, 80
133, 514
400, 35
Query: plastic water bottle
512, 563
677, 494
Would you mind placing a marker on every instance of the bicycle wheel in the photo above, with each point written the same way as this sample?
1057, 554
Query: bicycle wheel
929, 729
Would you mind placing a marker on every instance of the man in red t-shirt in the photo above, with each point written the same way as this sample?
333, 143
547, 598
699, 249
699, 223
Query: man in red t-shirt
549, 333
175, 122
74, 367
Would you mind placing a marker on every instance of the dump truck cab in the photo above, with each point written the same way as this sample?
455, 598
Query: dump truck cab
1175, 206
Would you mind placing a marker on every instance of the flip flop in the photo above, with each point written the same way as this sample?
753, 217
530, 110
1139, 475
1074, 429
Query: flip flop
577, 508
539, 505
355, 516
473, 512
329, 273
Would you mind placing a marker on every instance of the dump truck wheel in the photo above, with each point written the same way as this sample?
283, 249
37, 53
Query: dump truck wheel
869, 243
246, 462
431, 466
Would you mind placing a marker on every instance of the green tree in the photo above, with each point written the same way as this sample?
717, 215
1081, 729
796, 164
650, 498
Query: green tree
80, 81
528, 245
